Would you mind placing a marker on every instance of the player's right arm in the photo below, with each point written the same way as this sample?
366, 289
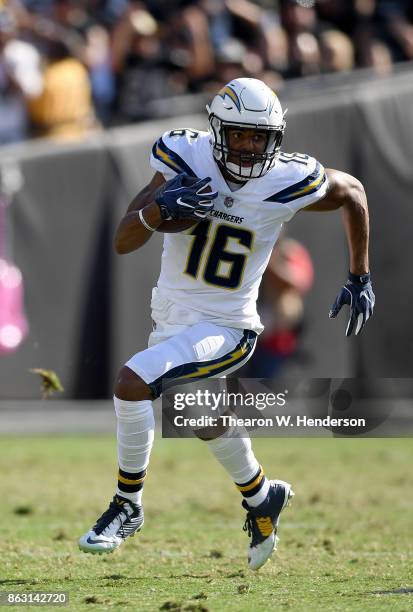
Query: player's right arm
182, 197
174, 193
131, 233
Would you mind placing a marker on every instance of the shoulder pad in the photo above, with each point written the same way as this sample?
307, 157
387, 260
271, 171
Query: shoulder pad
303, 177
170, 153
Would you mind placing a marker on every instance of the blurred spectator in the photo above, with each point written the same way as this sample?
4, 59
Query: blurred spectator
296, 17
393, 16
276, 48
140, 63
229, 63
305, 55
20, 79
338, 14
138, 52
288, 277
380, 58
190, 36
64, 107
300, 23
99, 64
337, 51
220, 23
106, 12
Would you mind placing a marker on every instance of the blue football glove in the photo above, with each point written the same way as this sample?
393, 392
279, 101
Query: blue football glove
358, 294
181, 198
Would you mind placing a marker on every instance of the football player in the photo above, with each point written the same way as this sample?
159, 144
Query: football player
204, 304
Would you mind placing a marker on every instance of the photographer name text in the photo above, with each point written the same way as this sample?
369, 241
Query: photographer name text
277, 421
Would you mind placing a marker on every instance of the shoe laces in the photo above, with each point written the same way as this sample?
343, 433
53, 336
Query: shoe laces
258, 527
108, 518
248, 525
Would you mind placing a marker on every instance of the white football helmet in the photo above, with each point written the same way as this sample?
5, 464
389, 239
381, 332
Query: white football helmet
246, 104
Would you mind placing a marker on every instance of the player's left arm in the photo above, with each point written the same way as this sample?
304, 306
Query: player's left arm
347, 193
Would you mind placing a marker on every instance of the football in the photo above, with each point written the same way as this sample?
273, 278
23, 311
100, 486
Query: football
173, 227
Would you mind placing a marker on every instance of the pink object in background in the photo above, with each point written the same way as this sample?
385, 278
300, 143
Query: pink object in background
13, 323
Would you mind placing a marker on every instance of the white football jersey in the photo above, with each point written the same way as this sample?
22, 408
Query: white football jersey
213, 270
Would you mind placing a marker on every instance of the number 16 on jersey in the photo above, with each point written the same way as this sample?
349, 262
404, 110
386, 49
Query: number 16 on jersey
213, 250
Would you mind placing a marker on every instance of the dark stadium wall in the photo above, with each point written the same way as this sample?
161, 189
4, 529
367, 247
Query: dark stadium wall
58, 226
384, 121
88, 308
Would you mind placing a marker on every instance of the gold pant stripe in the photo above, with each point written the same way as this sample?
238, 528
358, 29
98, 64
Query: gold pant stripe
128, 481
204, 370
253, 484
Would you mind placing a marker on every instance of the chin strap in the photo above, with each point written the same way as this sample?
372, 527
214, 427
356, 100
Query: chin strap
249, 170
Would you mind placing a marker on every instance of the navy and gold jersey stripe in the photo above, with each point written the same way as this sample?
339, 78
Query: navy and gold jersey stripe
170, 158
188, 372
309, 185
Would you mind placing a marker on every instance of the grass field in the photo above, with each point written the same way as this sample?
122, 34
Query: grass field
346, 542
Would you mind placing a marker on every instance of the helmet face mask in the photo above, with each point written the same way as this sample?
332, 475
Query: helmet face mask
246, 104
244, 164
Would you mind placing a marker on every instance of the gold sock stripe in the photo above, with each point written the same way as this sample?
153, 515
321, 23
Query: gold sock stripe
253, 484
128, 481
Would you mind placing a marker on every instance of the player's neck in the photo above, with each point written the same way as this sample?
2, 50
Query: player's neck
233, 182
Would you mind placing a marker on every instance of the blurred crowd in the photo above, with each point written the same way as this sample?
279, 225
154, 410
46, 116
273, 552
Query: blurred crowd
71, 66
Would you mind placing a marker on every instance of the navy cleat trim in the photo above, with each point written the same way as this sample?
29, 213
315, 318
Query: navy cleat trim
90, 541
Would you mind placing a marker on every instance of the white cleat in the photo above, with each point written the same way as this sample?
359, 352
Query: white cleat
122, 519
